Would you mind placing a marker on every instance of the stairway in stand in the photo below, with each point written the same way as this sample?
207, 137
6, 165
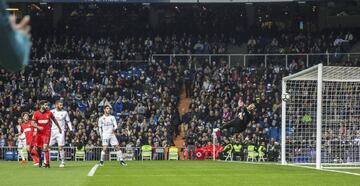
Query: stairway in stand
182, 108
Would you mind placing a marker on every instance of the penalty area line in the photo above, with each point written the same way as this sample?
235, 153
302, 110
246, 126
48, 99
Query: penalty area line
93, 170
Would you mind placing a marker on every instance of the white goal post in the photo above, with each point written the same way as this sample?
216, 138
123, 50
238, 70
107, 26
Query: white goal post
321, 120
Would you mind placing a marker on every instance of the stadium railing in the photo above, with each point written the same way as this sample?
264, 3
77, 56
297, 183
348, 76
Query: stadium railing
92, 153
309, 59
88, 60
115, 64
129, 153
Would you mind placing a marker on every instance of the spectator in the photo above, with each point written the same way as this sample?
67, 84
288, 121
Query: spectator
190, 142
2, 140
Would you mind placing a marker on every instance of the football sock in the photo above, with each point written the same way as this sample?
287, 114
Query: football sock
102, 155
35, 155
47, 157
62, 155
119, 155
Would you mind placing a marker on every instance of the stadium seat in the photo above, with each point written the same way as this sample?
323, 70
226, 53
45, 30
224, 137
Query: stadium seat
80, 154
10, 156
113, 155
173, 153
274, 133
229, 152
261, 153
229, 156
54, 155
158, 153
129, 152
261, 156
251, 153
146, 152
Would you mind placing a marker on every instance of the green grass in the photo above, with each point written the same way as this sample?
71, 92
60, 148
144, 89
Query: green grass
12, 173
182, 173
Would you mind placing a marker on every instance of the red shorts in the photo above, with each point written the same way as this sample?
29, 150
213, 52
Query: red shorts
29, 141
42, 138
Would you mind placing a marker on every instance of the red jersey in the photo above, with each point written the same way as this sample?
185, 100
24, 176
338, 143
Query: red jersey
43, 119
209, 147
219, 148
28, 129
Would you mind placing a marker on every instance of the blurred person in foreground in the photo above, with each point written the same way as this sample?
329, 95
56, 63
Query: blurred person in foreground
15, 41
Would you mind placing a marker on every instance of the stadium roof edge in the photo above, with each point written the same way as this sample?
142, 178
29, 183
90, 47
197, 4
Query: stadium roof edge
153, 1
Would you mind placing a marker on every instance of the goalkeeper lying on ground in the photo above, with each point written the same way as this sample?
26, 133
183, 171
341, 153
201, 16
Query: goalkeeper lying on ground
239, 123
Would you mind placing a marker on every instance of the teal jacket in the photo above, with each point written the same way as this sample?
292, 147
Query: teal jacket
14, 46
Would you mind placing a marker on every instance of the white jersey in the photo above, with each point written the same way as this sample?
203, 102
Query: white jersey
107, 124
63, 118
22, 136
21, 142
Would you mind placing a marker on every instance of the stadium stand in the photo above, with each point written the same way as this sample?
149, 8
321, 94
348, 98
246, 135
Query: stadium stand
144, 105
143, 93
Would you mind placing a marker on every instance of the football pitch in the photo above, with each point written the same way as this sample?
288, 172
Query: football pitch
182, 173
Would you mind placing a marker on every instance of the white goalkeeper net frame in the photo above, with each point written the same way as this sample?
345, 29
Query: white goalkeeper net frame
321, 124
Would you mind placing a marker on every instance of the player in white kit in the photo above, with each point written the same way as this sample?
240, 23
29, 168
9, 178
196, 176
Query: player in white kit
107, 128
21, 142
63, 118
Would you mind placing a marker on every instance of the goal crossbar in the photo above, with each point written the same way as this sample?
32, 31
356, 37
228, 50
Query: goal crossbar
330, 73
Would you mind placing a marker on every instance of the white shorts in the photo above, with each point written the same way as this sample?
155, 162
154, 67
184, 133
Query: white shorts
21, 143
110, 139
58, 138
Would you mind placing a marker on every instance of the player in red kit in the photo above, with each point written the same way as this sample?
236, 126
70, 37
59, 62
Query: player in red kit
28, 128
42, 119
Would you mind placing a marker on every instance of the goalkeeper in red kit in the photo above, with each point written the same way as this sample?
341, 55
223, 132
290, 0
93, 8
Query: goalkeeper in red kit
42, 119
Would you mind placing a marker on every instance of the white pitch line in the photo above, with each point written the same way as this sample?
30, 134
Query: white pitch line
344, 172
299, 166
251, 162
327, 170
93, 170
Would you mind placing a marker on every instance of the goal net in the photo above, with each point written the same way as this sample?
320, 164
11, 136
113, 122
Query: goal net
321, 124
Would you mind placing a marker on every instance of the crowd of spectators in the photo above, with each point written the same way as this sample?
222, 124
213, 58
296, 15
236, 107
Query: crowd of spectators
216, 92
301, 42
77, 63
143, 99
143, 19
125, 48
135, 32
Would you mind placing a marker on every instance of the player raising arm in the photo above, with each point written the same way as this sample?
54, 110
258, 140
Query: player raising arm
62, 117
42, 118
107, 128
